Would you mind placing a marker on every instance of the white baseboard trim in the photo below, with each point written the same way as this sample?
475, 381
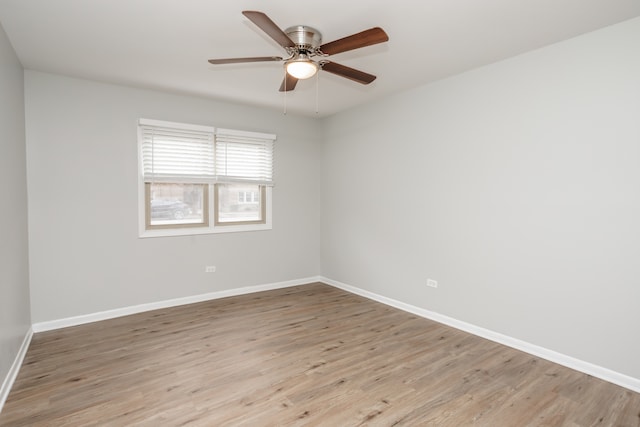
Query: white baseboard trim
125, 311
570, 362
15, 368
579, 365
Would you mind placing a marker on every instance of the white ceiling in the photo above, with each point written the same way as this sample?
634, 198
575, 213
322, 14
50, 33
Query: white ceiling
165, 44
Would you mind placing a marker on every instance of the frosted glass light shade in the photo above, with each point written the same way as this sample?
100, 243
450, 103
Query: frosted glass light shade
301, 68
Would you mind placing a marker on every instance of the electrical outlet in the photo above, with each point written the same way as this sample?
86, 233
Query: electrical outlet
432, 283
210, 269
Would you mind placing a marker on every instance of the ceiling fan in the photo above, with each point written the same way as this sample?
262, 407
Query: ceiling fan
302, 43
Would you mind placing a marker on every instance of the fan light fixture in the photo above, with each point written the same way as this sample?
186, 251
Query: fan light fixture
302, 43
301, 67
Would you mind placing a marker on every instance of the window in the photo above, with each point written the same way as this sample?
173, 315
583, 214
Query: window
176, 205
247, 197
239, 203
200, 179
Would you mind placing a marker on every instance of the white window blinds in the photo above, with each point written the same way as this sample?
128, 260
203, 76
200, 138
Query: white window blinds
242, 156
176, 152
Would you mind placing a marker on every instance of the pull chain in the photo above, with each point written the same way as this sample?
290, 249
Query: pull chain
285, 91
317, 90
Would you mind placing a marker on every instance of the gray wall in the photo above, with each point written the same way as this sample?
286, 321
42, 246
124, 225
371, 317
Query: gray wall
85, 253
516, 186
15, 320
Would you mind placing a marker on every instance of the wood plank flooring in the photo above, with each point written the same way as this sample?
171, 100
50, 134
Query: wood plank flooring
309, 355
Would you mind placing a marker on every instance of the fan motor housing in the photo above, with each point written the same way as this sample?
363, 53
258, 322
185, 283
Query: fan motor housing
304, 37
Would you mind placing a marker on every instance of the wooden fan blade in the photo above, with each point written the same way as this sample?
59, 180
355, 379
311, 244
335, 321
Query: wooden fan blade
241, 60
269, 27
288, 83
364, 38
349, 73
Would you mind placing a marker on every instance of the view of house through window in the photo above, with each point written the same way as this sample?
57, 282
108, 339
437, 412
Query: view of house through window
237, 203
176, 204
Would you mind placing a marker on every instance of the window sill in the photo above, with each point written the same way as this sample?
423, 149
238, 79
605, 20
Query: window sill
190, 231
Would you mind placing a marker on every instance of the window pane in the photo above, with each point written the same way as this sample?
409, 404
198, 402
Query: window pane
176, 204
239, 203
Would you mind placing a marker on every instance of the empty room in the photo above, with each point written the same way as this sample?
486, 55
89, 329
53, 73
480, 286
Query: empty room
246, 213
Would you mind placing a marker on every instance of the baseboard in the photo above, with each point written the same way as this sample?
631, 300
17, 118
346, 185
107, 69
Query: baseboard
614, 377
15, 368
606, 374
125, 311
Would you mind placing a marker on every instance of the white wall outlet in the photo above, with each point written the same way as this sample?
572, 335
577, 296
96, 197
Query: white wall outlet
210, 269
432, 283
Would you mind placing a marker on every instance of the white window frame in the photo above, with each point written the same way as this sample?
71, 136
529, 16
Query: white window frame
211, 227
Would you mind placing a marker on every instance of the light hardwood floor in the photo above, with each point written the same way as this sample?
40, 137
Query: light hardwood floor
307, 355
